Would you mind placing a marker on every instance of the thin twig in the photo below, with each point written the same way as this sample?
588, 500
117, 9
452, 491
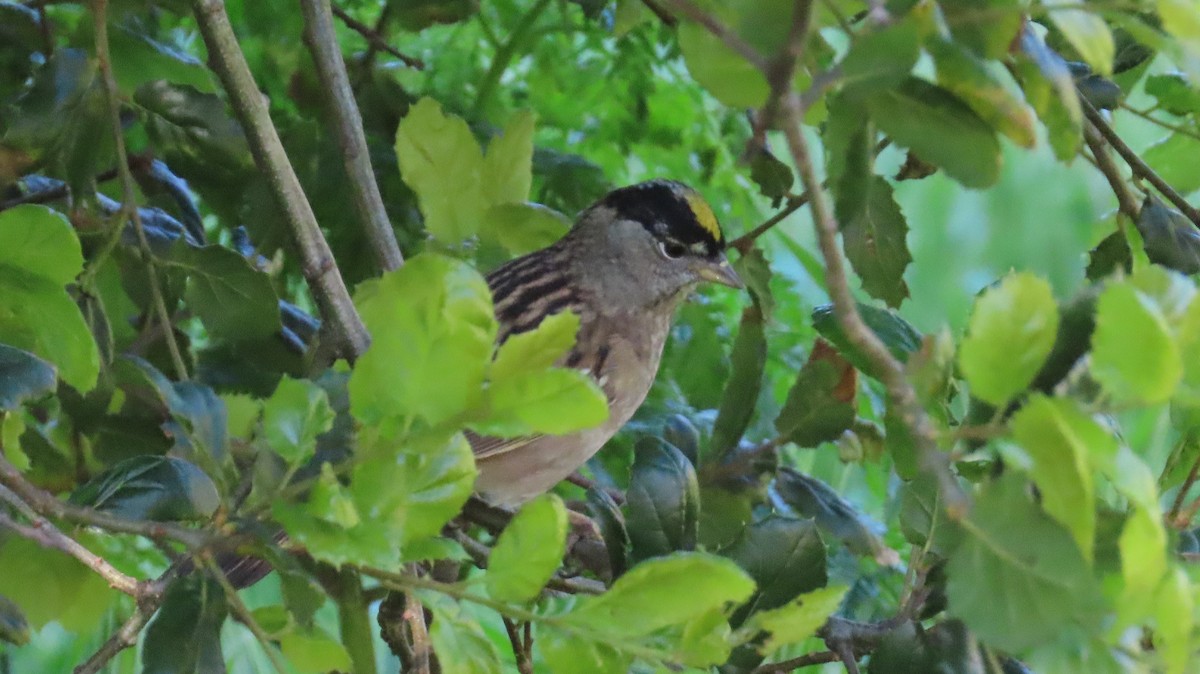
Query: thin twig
129, 200
807, 660
47, 505
1126, 202
375, 39
579, 480
1145, 114
44, 533
524, 665
1140, 168
745, 242
244, 616
319, 267
126, 635
719, 29
335, 82
1173, 514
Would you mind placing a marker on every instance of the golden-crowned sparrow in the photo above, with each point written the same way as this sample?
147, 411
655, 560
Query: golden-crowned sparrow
625, 266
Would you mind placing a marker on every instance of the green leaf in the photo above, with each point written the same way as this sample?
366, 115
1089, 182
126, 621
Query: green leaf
797, 620
897, 334
1011, 332
528, 551
567, 653
748, 358
314, 653
812, 414
160, 488
784, 555
39, 256
987, 27
508, 164
1087, 33
1173, 159
48, 585
1175, 619
185, 635
1174, 93
459, 641
836, 516
1018, 579
662, 505
235, 301
995, 100
1053, 432
555, 401
432, 334
1143, 546
23, 376
662, 592
441, 161
875, 240
138, 59
1134, 356
940, 128
536, 349
524, 228
730, 78
1050, 89
294, 416
773, 177
881, 59
1181, 19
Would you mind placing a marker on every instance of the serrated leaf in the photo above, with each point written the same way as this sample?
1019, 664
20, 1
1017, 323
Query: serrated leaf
294, 416
524, 228
39, 256
1018, 579
876, 244
234, 300
185, 635
554, 401
813, 413
1134, 356
662, 506
940, 128
773, 177
441, 161
797, 620
161, 488
528, 551
1010, 334
1087, 33
1047, 429
508, 163
535, 349
23, 376
432, 331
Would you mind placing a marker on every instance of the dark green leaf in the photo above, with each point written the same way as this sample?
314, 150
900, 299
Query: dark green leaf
185, 635
607, 515
812, 413
749, 357
234, 300
1174, 93
663, 501
876, 244
161, 488
881, 59
1111, 254
987, 27
773, 177
900, 337
23, 376
940, 128
138, 59
784, 555
1173, 159
1018, 579
835, 516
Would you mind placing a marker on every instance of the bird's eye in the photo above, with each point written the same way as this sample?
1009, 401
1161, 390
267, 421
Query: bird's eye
672, 249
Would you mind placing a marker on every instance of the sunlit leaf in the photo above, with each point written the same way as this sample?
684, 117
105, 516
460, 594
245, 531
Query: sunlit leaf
528, 551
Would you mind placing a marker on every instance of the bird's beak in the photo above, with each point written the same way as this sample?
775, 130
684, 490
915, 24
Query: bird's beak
719, 271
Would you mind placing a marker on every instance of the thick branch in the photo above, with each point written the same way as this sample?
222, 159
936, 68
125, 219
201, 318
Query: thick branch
320, 269
1139, 167
331, 69
1125, 199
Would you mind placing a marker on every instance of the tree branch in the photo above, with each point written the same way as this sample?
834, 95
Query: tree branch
806, 660
720, 30
376, 40
1126, 202
745, 242
127, 635
320, 268
1140, 168
239, 610
335, 82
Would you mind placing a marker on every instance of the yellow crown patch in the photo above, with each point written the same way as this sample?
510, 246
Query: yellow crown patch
704, 215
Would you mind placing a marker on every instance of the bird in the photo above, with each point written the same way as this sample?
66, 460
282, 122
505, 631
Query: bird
624, 267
